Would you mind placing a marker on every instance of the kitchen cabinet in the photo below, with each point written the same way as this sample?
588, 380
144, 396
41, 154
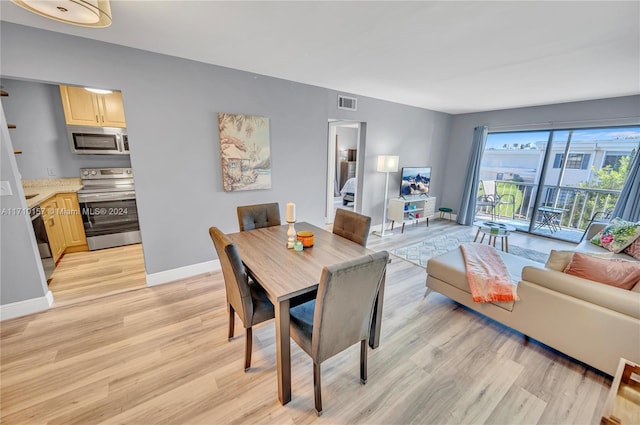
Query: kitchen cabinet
411, 209
53, 226
63, 223
71, 220
82, 107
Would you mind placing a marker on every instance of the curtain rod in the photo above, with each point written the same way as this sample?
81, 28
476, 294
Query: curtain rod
555, 123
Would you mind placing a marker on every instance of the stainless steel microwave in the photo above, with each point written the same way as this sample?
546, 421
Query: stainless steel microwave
98, 140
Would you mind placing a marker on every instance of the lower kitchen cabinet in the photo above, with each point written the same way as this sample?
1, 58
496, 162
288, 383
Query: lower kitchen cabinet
63, 222
53, 225
71, 221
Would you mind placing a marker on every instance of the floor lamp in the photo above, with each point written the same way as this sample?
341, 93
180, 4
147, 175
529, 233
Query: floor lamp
386, 164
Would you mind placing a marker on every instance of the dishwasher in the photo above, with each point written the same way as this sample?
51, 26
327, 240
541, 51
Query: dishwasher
42, 241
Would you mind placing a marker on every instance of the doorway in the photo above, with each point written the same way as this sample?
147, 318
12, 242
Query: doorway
49, 160
343, 167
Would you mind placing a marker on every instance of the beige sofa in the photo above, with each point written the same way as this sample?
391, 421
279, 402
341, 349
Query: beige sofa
589, 321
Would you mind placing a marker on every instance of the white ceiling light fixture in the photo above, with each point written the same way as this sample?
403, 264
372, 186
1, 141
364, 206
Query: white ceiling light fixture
85, 13
98, 91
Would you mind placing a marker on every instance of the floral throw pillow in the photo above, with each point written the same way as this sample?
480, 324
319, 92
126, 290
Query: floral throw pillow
618, 235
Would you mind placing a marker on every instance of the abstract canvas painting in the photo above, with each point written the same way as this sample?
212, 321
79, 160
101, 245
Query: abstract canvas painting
245, 152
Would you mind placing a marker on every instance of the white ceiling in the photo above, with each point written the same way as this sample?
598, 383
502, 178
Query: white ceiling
454, 57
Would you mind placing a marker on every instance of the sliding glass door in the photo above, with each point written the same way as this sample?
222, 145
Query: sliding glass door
554, 182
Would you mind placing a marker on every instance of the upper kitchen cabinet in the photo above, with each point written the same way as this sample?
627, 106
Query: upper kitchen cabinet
82, 107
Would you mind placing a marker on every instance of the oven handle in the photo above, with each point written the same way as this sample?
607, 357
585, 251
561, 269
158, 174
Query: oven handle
97, 197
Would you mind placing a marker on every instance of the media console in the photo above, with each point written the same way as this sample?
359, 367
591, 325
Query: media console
411, 209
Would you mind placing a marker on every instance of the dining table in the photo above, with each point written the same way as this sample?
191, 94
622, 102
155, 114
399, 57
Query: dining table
286, 274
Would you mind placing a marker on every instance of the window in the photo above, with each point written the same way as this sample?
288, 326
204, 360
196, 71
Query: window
613, 159
576, 161
577, 171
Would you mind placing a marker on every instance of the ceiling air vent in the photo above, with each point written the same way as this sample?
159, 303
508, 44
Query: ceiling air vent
348, 103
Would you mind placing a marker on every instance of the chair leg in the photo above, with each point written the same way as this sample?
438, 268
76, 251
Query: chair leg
247, 349
363, 361
316, 388
232, 317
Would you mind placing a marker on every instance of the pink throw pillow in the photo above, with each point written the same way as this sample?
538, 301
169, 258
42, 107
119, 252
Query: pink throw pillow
634, 249
615, 272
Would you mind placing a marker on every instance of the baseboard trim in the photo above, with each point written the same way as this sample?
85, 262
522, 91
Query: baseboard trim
22, 308
172, 275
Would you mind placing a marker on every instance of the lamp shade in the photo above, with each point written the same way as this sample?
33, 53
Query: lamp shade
388, 163
85, 13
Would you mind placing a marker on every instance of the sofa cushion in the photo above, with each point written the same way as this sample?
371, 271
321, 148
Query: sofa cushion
449, 268
615, 272
633, 249
618, 235
606, 296
559, 260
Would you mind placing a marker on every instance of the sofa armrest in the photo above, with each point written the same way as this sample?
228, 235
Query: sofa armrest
594, 228
607, 296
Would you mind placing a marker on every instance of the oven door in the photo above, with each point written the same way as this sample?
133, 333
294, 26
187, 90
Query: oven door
110, 219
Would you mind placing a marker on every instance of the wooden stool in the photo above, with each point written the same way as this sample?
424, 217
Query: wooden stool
445, 210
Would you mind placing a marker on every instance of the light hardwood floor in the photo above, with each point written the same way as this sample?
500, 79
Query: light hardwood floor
83, 276
160, 355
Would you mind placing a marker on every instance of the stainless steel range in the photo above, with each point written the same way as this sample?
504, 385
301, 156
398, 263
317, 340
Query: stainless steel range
108, 206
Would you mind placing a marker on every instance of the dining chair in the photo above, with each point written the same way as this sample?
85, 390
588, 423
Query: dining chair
352, 226
258, 216
244, 296
341, 314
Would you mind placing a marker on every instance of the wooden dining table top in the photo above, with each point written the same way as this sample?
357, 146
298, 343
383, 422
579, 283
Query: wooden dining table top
283, 272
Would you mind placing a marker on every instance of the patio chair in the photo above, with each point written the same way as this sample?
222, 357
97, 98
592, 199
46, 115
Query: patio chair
598, 216
491, 198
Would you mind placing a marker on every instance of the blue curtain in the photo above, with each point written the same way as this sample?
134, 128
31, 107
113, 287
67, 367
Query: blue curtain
467, 210
628, 205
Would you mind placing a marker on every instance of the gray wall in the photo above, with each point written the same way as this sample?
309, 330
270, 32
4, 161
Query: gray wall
21, 274
41, 133
347, 138
417, 136
172, 107
594, 113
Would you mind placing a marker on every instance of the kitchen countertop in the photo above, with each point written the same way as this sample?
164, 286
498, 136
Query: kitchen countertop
46, 188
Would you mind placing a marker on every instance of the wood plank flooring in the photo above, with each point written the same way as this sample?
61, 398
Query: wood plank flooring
160, 355
82, 276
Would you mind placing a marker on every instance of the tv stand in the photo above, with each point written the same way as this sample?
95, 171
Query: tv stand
411, 209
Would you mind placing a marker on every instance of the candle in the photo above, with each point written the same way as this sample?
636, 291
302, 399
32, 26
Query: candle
291, 212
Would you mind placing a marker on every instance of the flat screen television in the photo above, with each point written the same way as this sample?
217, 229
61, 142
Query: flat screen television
415, 181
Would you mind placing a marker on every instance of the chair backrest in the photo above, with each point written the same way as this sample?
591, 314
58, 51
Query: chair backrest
258, 216
489, 187
344, 304
352, 226
236, 280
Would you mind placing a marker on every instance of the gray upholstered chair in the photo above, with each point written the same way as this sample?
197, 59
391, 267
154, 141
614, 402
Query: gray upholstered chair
258, 216
352, 226
341, 314
244, 296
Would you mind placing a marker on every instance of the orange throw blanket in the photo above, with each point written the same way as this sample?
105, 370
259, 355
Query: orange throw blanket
487, 274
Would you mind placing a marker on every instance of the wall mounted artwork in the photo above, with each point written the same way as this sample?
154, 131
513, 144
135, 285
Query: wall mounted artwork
245, 152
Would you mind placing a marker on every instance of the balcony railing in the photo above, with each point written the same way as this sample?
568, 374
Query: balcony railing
579, 205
